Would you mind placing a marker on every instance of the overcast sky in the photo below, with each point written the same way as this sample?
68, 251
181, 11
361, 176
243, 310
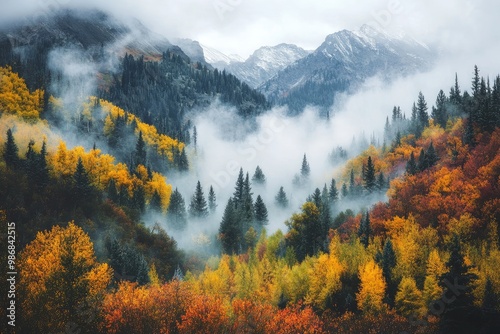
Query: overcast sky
241, 26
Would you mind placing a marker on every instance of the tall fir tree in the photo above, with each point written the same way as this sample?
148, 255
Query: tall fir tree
365, 230
411, 165
140, 155
10, 153
238, 194
212, 200
388, 264
261, 214
305, 170
281, 199
183, 163
333, 193
439, 113
82, 186
370, 180
229, 231
176, 214
431, 156
198, 206
422, 115
258, 177
460, 314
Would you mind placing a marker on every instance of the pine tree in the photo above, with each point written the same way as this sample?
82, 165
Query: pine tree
422, 161
246, 211
440, 114
411, 165
176, 214
258, 177
370, 180
422, 115
139, 198
352, 184
212, 200
305, 170
455, 93
344, 192
10, 151
183, 163
430, 156
333, 193
195, 138
239, 189
198, 206
469, 137
229, 231
476, 83
281, 199
381, 182
140, 151
388, 263
82, 185
457, 284
155, 202
113, 192
365, 230
42, 171
261, 215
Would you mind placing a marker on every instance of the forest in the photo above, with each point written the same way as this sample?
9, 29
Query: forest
425, 260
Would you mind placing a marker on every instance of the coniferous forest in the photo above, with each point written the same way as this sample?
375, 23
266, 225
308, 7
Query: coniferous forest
421, 254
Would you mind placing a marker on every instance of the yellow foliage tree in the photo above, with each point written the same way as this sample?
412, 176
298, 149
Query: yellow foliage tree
324, 280
408, 298
15, 97
372, 288
61, 282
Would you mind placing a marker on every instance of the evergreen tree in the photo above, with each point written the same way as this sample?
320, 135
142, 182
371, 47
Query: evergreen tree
440, 114
140, 152
229, 231
305, 170
82, 186
469, 137
10, 151
333, 193
455, 93
195, 138
183, 163
212, 200
258, 177
411, 165
381, 182
352, 184
370, 180
155, 202
430, 156
176, 214
261, 215
246, 211
476, 83
139, 198
42, 171
113, 192
422, 161
238, 195
422, 115
490, 298
344, 192
388, 263
281, 199
408, 299
198, 206
365, 230
460, 314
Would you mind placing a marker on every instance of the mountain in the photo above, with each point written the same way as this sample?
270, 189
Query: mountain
263, 64
342, 63
219, 59
124, 62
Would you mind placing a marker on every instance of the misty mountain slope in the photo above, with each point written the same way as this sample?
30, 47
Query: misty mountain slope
263, 64
342, 63
75, 54
217, 58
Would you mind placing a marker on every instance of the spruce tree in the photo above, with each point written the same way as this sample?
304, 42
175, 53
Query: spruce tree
388, 263
183, 163
352, 184
430, 156
198, 206
82, 186
460, 315
229, 231
212, 200
176, 214
247, 209
140, 151
305, 170
422, 161
422, 115
281, 199
155, 202
10, 151
370, 180
381, 182
139, 198
365, 230
238, 194
411, 165
344, 192
476, 83
261, 215
333, 193
42, 171
113, 192
258, 177
440, 114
